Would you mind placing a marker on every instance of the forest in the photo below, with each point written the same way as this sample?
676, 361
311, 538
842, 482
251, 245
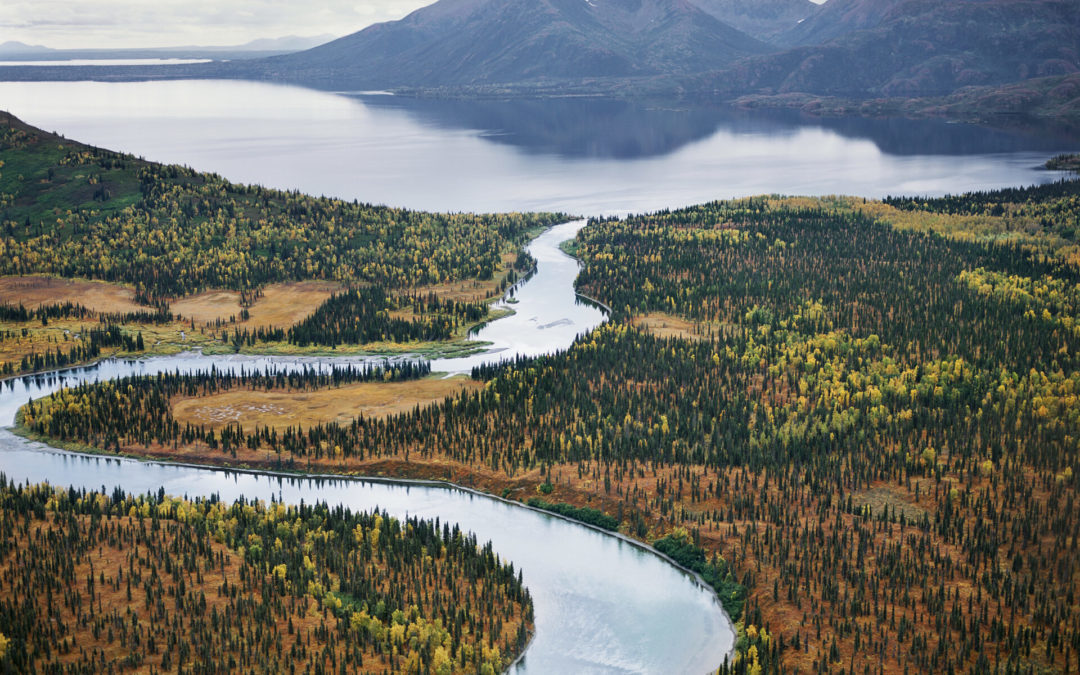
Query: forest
864, 436
72, 211
76, 211
98, 582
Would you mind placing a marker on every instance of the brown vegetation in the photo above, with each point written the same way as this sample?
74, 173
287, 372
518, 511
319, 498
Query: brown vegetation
280, 409
278, 305
35, 290
668, 325
107, 583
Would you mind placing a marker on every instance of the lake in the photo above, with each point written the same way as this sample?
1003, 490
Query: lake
580, 156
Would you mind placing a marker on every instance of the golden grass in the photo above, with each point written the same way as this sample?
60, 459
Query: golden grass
280, 305
280, 409
99, 296
671, 326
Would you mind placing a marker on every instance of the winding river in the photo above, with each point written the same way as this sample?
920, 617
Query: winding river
603, 604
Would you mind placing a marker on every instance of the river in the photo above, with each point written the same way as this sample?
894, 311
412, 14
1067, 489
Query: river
603, 604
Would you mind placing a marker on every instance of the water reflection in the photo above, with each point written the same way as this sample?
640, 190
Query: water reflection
624, 129
580, 156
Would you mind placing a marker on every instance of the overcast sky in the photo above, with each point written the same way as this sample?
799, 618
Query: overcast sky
104, 24
78, 24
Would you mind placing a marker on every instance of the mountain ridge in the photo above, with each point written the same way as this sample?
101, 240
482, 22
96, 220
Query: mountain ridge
471, 42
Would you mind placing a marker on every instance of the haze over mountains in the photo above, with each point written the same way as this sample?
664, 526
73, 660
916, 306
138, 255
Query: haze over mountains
261, 48
917, 48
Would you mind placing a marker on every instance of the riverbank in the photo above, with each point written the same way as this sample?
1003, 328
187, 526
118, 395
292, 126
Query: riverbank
517, 490
574, 573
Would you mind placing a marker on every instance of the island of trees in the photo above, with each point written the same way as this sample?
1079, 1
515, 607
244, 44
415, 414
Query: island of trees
95, 583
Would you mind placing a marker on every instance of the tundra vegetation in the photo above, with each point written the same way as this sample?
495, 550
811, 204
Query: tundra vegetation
857, 420
863, 432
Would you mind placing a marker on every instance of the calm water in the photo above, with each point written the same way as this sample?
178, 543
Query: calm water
547, 314
587, 157
602, 605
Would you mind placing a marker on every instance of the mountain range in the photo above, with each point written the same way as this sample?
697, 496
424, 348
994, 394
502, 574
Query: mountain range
915, 48
859, 49
852, 48
482, 42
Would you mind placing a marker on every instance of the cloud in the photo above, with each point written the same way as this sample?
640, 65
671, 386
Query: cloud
161, 23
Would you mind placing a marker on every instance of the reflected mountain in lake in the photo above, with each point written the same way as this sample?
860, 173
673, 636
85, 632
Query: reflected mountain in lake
622, 129
575, 155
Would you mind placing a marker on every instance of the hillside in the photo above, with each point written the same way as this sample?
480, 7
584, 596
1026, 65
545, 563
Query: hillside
101, 251
836, 18
472, 42
919, 48
763, 19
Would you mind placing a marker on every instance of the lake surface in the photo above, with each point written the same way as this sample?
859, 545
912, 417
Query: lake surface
580, 156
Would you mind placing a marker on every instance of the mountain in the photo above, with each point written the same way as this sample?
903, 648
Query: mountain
13, 48
478, 42
289, 43
921, 48
762, 19
835, 18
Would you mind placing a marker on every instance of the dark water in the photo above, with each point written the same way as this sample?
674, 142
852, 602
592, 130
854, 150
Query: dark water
581, 156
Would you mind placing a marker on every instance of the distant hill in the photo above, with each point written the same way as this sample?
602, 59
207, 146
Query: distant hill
261, 48
920, 48
763, 19
12, 47
471, 42
845, 49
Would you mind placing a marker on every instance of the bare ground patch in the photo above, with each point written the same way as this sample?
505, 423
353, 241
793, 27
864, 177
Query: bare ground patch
894, 498
279, 305
667, 325
36, 290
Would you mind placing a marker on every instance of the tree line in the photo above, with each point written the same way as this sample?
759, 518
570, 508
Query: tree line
170, 231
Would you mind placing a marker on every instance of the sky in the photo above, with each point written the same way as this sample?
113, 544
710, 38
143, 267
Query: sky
115, 24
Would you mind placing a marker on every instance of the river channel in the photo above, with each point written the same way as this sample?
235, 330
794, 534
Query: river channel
603, 604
